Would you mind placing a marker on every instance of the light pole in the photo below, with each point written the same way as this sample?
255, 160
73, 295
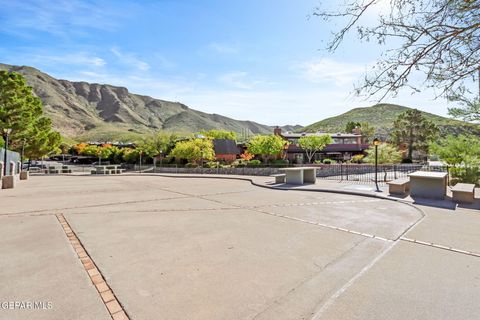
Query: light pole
6, 132
140, 168
376, 142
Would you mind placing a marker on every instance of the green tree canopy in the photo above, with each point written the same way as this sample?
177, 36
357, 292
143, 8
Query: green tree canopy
219, 134
462, 152
368, 132
157, 143
22, 112
351, 125
194, 150
312, 144
411, 128
387, 154
457, 150
266, 146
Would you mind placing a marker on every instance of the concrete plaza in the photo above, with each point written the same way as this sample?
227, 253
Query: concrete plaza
185, 248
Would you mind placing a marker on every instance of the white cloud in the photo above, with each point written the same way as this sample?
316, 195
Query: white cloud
63, 18
130, 59
224, 48
330, 71
79, 58
240, 80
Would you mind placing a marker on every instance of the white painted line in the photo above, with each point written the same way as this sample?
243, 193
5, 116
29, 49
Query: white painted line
330, 301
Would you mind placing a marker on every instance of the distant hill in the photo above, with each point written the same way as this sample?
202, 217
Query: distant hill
101, 111
382, 116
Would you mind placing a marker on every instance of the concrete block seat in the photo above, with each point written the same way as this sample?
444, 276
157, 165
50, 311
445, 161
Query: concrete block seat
399, 186
463, 192
279, 178
115, 170
8, 182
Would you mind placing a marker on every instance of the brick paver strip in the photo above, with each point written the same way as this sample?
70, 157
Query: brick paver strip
106, 294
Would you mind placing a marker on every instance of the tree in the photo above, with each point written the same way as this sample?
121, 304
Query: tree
194, 150
463, 153
387, 154
22, 112
414, 130
266, 146
219, 134
41, 140
440, 39
312, 144
469, 109
351, 125
368, 132
157, 144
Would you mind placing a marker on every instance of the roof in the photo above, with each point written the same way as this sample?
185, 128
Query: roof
225, 146
334, 147
333, 135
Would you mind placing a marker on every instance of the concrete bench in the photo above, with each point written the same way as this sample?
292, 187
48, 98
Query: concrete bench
399, 186
463, 192
279, 178
106, 171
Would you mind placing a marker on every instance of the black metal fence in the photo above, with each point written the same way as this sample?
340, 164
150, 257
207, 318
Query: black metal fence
365, 173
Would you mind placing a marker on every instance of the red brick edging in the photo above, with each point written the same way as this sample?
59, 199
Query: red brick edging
108, 297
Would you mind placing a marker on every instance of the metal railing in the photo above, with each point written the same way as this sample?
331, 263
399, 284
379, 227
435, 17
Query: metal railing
365, 173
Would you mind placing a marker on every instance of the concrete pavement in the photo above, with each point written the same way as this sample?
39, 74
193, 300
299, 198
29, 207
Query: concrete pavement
180, 248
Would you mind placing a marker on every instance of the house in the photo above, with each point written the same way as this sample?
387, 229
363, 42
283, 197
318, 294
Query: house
343, 148
225, 150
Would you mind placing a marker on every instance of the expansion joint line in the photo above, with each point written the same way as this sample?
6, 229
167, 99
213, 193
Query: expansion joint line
115, 309
438, 246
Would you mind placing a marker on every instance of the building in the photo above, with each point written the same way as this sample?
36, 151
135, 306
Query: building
225, 150
343, 148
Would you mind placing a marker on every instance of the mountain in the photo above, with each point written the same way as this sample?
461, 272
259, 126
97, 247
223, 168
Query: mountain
382, 116
101, 111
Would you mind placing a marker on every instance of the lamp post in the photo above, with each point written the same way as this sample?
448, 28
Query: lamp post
376, 142
6, 132
140, 169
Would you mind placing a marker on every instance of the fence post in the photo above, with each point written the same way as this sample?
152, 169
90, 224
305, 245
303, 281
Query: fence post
346, 170
341, 172
394, 171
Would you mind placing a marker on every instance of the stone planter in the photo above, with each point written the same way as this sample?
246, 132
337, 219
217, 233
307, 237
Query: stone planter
8, 182
24, 175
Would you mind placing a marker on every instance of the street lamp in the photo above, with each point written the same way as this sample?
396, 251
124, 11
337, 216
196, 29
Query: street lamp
6, 132
140, 170
376, 142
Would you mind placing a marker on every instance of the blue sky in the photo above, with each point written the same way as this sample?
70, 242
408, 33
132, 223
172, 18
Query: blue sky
260, 60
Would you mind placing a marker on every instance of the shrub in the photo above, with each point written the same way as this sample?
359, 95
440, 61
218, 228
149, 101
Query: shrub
239, 163
212, 164
318, 162
191, 165
358, 158
279, 162
254, 163
466, 174
328, 161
